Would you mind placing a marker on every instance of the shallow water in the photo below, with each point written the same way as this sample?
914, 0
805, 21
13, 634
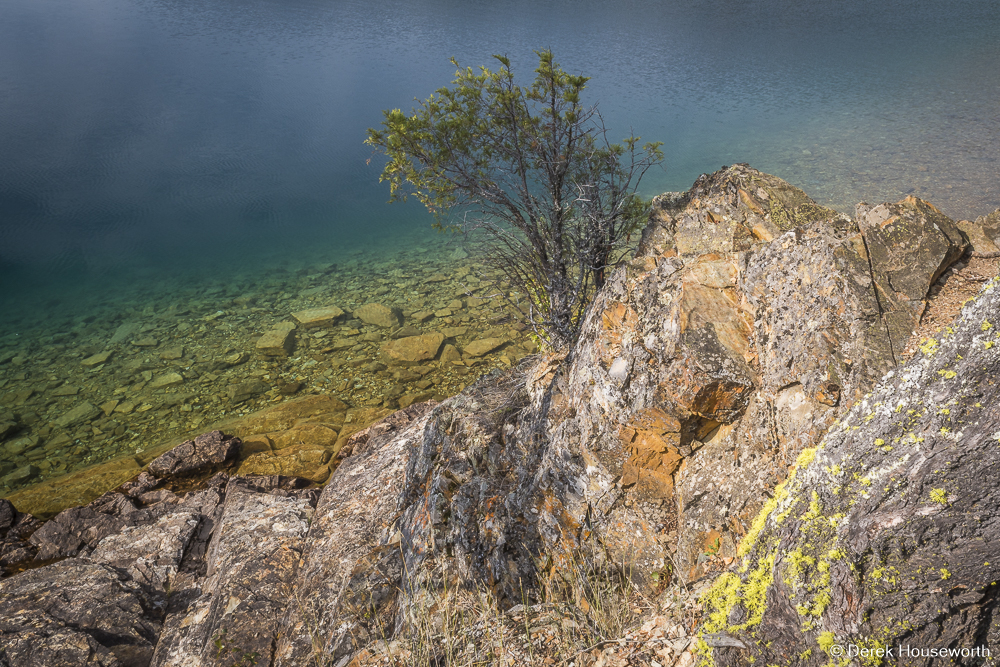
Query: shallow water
158, 151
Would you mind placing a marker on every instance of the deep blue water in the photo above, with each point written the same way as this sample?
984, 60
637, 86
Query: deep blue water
142, 140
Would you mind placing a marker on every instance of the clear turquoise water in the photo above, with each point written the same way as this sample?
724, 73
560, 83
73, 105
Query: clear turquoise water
147, 144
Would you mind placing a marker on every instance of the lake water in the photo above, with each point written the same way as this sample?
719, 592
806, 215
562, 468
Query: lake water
144, 138
157, 149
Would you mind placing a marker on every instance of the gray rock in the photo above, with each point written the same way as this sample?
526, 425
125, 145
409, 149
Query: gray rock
76, 613
253, 558
74, 531
205, 451
347, 561
151, 554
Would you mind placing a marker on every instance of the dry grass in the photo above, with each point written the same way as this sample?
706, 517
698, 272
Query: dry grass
944, 301
587, 618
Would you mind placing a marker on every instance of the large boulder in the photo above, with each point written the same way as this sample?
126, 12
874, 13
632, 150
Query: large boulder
885, 534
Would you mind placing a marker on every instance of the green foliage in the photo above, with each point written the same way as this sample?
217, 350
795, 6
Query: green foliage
532, 168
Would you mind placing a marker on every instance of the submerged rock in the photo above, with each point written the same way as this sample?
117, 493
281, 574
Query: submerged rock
379, 315
276, 343
412, 350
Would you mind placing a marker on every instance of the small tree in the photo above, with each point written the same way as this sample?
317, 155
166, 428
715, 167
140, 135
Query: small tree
532, 168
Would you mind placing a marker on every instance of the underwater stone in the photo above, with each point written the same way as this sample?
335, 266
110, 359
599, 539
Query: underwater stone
96, 359
478, 348
166, 380
379, 315
81, 413
277, 343
318, 317
413, 349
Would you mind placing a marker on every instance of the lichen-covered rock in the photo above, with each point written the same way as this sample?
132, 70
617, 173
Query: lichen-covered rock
205, 451
755, 346
885, 535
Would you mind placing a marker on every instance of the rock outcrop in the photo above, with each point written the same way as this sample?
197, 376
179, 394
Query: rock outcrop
885, 535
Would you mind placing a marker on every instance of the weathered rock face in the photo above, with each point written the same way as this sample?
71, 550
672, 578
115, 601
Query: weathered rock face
227, 554
353, 561
886, 534
76, 613
251, 565
745, 354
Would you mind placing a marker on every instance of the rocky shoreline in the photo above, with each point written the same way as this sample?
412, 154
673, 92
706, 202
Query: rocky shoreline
110, 389
717, 443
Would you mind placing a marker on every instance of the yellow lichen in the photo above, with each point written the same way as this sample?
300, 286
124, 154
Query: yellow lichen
928, 346
806, 456
939, 496
761, 519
